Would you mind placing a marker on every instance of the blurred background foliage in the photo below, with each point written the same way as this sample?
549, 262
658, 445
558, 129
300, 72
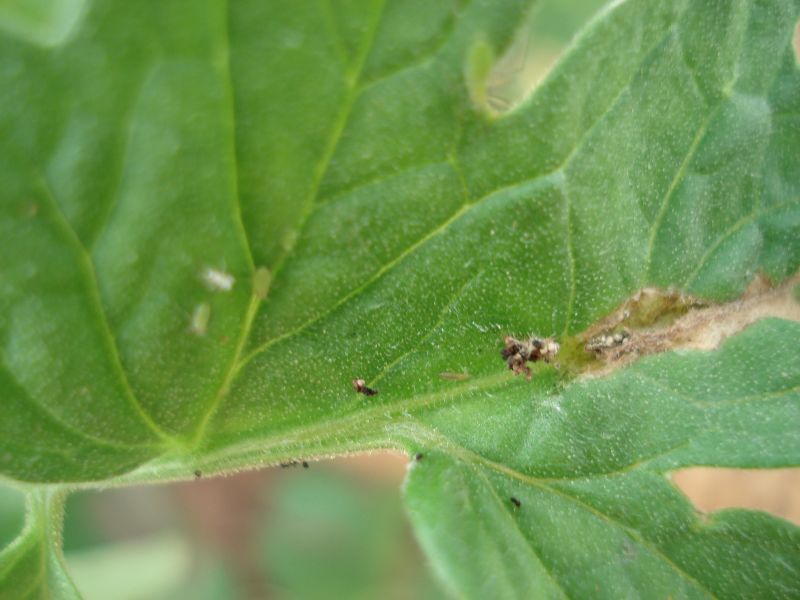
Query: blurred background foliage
334, 530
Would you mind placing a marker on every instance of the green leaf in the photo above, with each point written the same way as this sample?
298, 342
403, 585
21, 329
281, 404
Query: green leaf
12, 514
215, 216
32, 566
598, 517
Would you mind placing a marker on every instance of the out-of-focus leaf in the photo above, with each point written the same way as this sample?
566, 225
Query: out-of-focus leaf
32, 567
146, 569
12, 514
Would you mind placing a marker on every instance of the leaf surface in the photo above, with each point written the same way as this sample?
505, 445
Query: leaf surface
216, 216
598, 516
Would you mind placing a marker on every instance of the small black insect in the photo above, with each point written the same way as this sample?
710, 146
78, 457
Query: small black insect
360, 386
198, 474
515, 502
305, 465
419, 456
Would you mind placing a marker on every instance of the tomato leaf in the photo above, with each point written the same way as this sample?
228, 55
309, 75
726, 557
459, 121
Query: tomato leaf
215, 217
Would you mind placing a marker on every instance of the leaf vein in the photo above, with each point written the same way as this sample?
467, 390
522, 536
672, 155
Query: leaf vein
457, 295
225, 68
68, 427
673, 186
307, 210
254, 303
557, 171
525, 544
469, 455
573, 289
93, 290
416, 61
441, 228
732, 230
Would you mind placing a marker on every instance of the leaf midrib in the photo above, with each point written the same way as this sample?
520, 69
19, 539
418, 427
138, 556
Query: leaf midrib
520, 537
87, 270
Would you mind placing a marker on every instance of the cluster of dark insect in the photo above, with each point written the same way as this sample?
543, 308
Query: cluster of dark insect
518, 353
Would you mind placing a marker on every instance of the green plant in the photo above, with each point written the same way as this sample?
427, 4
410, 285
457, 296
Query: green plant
214, 217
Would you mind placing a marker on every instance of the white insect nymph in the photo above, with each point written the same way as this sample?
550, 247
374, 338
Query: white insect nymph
200, 317
218, 280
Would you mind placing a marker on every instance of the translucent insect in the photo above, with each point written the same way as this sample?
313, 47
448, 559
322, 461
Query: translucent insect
449, 376
261, 281
200, 316
218, 280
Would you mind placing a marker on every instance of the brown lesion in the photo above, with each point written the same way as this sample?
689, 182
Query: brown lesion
646, 308
653, 321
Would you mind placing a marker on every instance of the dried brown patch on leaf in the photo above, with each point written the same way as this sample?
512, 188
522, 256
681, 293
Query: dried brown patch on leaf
648, 307
676, 321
